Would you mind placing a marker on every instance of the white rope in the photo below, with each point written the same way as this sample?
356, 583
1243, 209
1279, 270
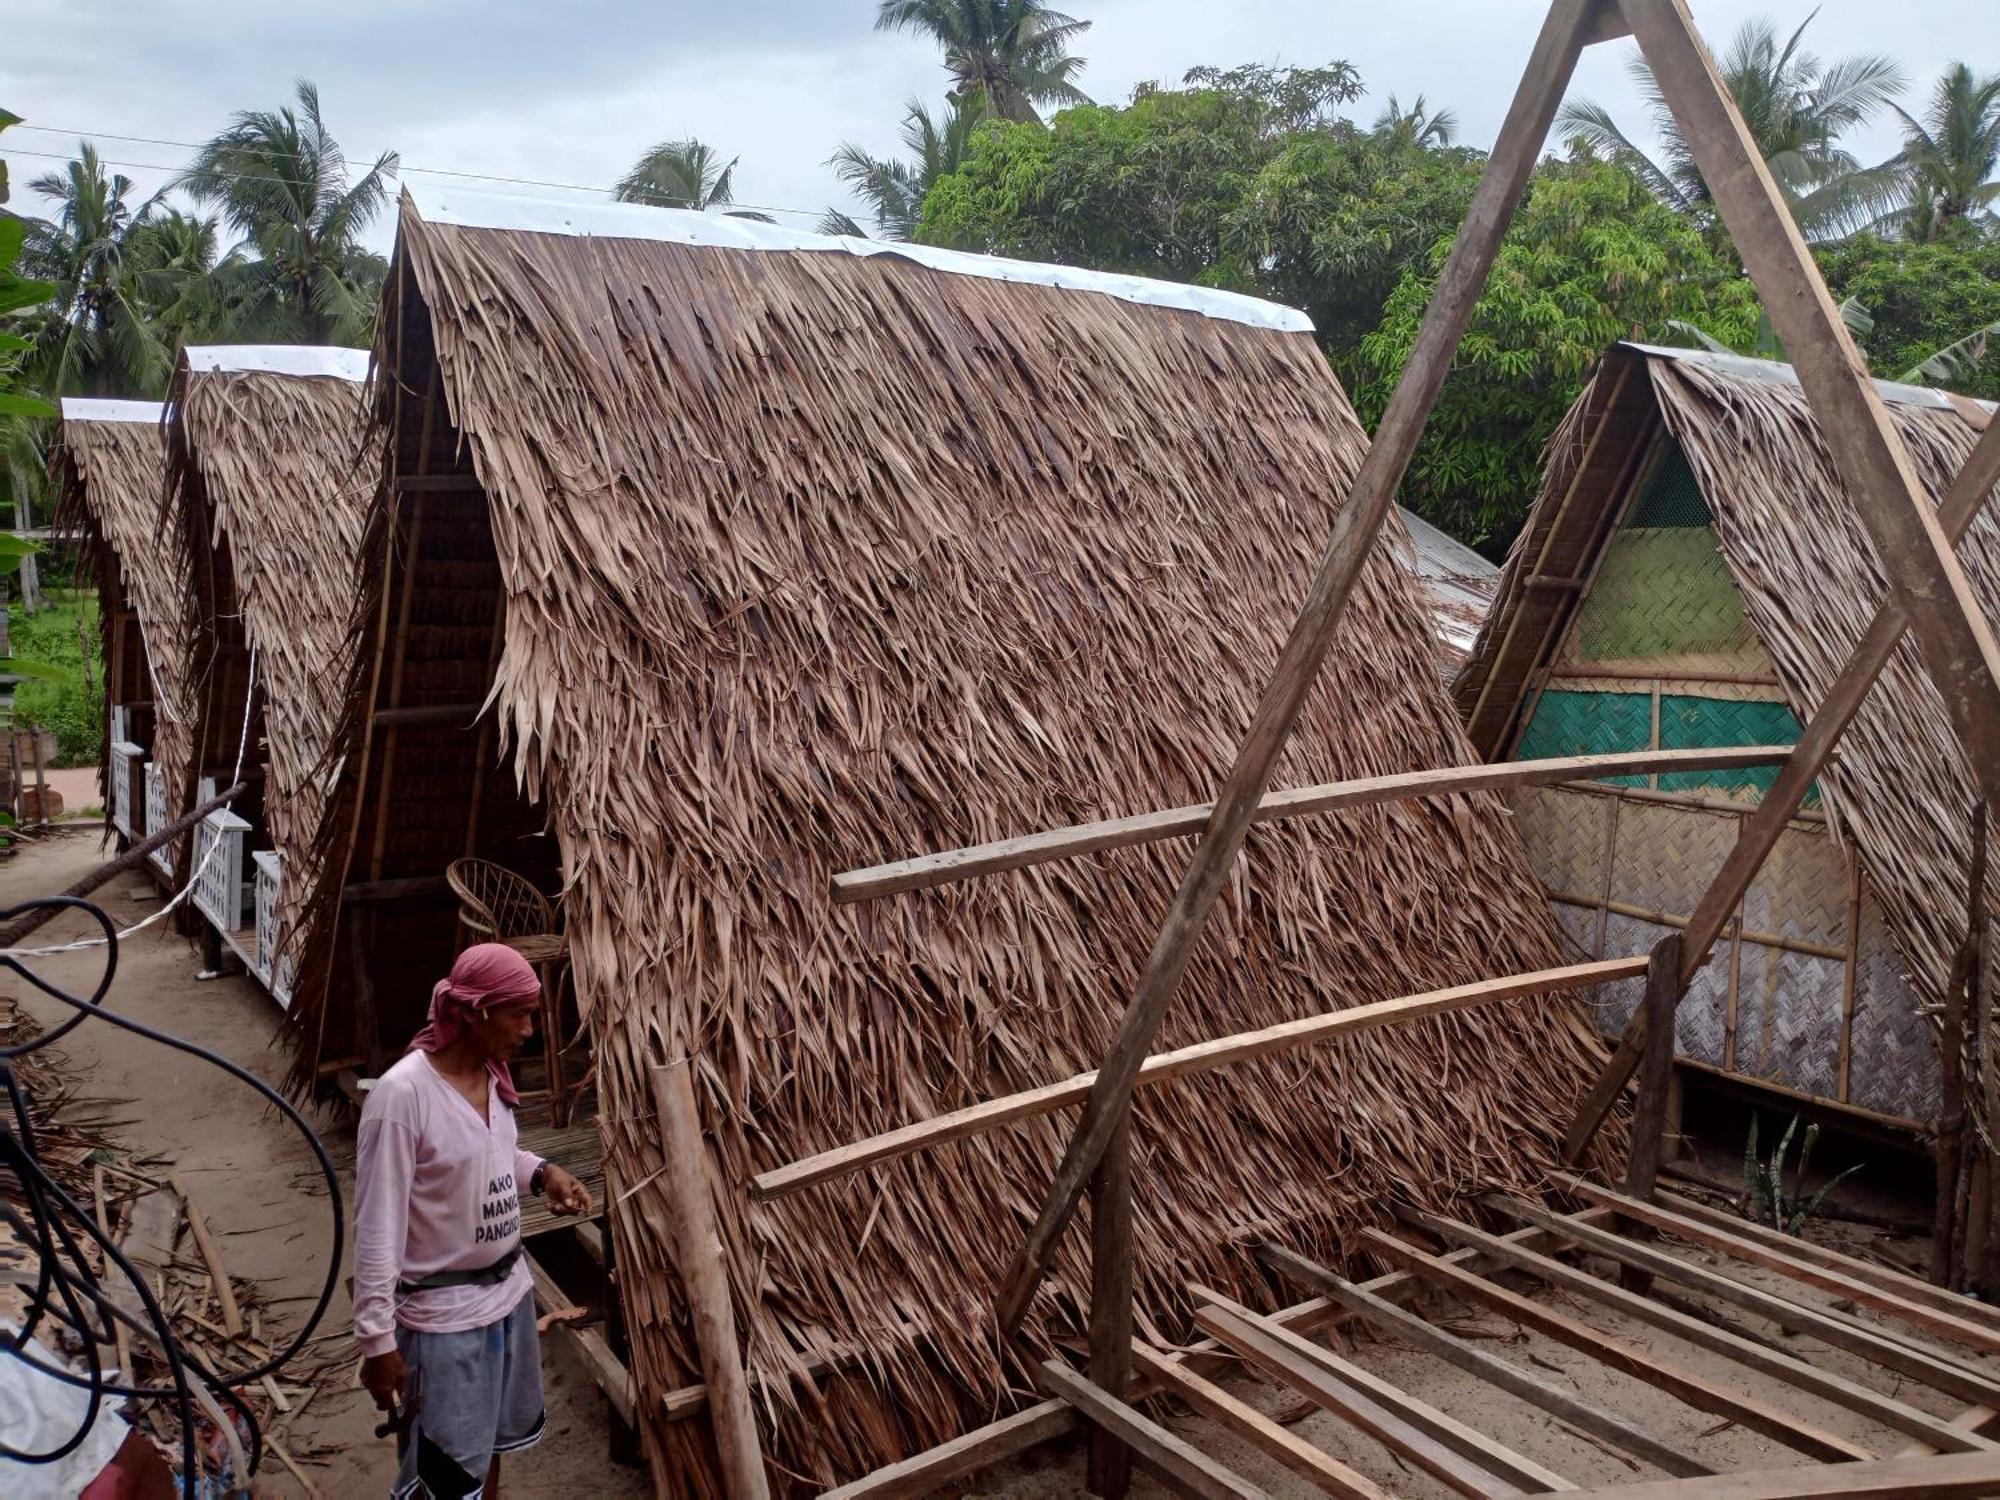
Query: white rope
194, 876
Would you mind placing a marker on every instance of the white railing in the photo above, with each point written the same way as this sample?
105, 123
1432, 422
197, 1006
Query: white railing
125, 759
219, 892
162, 858
277, 977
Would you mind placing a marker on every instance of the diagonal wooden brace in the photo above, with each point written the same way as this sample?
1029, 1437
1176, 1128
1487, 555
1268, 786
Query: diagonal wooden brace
1570, 26
1837, 707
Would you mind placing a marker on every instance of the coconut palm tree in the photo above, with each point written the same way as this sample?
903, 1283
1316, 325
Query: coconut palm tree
94, 337
280, 180
895, 190
1009, 54
1797, 109
173, 259
1953, 156
1419, 125
679, 174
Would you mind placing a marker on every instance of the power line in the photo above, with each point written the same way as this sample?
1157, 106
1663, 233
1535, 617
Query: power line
395, 169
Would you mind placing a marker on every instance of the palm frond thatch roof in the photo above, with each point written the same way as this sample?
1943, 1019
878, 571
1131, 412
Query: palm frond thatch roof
814, 559
272, 463
1898, 787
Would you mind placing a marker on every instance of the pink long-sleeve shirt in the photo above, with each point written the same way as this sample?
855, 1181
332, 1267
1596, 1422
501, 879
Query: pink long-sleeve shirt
437, 1188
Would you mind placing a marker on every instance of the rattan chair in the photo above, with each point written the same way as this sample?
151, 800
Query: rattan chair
496, 905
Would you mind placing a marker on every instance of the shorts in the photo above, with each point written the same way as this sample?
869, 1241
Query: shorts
478, 1394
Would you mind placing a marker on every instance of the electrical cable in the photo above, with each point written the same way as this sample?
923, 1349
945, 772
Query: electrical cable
67, 1291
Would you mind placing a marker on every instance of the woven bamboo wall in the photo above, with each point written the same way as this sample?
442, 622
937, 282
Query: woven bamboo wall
1807, 992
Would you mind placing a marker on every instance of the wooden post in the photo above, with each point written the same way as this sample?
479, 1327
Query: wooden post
1837, 708
1110, 1468
698, 1255
1945, 1221
1656, 1074
1565, 33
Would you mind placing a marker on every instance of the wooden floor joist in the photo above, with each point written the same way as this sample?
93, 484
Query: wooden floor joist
1960, 1476
1178, 1464
1244, 1046
1934, 1368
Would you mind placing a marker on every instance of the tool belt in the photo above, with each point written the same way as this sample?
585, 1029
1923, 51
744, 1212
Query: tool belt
478, 1276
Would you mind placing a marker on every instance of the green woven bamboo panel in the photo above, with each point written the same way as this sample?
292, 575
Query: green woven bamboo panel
1572, 723
1662, 591
1688, 723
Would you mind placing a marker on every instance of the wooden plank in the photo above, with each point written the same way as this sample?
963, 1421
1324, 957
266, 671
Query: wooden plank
1836, 709
1185, 1469
1888, 1278
211, 1254
606, 1369
1325, 1471
1705, 1334
1245, 1046
1354, 536
1918, 559
1643, 1364
1757, 1252
698, 1257
925, 1473
1935, 1369
121, 1340
1972, 1419
1110, 1466
1598, 1422
954, 865
1947, 1478
1462, 1457
1649, 1122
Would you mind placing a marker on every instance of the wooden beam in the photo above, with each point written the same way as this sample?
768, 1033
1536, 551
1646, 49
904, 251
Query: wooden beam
426, 713
1463, 1457
1326, 1472
1705, 1334
953, 865
1656, 1079
1353, 541
1922, 570
1957, 1476
1972, 1419
606, 1369
1110, 1465
1761, 830
1757, 1252
1245, 1046
1597, 1422
1935, 1369
698, 1258
1183, 1468
1628, 1359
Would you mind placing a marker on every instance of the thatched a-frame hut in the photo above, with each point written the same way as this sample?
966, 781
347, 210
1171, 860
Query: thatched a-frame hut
774, 554
1693, 574
106, 463
271, 463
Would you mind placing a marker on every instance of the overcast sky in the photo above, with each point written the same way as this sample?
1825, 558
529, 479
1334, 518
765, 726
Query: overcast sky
574, 92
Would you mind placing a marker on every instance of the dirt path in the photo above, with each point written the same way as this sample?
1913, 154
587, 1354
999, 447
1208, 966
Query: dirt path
252, 1174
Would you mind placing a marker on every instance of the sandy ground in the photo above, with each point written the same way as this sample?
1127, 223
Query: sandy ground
254, 1177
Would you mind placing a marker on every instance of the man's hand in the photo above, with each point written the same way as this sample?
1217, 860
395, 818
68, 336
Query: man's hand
566, 1195
382, 1378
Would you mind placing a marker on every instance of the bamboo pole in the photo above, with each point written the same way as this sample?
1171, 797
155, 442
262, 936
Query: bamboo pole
698, 1254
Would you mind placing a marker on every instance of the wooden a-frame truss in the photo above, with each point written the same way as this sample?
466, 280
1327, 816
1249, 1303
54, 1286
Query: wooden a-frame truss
1927, 595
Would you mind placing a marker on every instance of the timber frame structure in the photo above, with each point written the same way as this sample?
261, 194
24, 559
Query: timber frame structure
1927, 595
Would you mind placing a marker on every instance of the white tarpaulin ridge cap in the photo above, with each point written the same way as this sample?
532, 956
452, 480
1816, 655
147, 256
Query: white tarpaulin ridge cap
638, 221
278, 359
91, 409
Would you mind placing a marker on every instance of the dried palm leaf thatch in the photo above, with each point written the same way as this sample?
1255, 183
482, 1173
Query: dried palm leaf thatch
107, 471
270, 476
814, 560
1898, 786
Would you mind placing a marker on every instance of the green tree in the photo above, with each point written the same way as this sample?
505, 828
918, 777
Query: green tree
1419, 125
1953, 157
1006, 56
1592, 258
280, 180
173, 259
1924, 298
680, 174
94, 337
895, 190
1797, 109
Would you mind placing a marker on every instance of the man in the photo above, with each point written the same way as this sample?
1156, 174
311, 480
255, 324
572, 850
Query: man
444, 1310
